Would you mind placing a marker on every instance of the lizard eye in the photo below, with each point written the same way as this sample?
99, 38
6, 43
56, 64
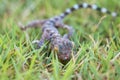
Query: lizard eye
60, 47
56, 49
70, 45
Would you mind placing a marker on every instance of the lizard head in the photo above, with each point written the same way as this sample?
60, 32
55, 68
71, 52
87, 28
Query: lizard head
64, 49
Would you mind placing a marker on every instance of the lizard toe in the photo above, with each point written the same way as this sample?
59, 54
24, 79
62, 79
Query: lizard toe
37, 44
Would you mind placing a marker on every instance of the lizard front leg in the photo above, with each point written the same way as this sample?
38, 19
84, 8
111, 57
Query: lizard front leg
40, 43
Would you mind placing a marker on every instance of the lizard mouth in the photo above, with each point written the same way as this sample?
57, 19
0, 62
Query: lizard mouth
64, 58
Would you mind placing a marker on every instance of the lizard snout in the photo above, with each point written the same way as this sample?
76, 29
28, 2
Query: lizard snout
64, 58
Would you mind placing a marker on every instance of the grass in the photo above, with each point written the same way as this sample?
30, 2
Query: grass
96, 37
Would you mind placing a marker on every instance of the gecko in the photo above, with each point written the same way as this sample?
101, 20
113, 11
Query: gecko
62, 45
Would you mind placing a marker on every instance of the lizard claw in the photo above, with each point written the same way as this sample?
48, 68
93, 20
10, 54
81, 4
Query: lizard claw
37, 43
22, 27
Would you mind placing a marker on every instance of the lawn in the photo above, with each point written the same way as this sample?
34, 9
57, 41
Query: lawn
96, 37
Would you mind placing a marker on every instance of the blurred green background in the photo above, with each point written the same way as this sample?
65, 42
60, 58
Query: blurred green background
96, 37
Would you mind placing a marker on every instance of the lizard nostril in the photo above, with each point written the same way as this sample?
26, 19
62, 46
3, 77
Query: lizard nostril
65, 57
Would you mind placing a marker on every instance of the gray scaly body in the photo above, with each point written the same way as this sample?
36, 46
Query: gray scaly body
60, 44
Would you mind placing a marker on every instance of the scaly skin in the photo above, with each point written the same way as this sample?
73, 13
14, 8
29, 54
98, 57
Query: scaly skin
60, 44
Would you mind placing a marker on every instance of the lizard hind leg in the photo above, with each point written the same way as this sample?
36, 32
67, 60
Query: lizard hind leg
70, 31
60, 24
31, 24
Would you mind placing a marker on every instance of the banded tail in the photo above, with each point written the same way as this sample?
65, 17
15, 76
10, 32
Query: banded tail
85, 5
